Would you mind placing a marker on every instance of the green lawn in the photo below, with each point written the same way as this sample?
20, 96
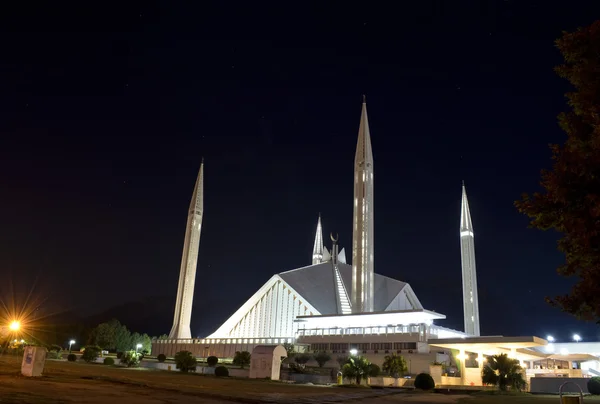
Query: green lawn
519, 399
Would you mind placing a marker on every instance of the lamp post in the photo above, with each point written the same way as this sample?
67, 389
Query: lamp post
550, 338
71, 344
353, 352
576, 337
138, 346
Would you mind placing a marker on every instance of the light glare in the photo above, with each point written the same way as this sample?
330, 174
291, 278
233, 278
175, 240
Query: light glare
14, 326
576, 337
550, 338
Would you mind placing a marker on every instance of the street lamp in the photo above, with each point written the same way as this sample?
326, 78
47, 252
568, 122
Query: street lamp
15, 326
576, 337
70, 344
353, 352
550, 338
138, 346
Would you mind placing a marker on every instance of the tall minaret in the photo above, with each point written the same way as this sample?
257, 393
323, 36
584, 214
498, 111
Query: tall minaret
362, 229
469, 273
317, 256
189, 260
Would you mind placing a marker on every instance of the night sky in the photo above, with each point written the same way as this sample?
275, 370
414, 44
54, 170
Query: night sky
106, 113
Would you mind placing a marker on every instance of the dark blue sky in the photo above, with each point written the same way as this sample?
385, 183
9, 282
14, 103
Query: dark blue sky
107, 111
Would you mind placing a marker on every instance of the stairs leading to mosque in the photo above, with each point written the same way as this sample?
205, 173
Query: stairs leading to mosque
344, 302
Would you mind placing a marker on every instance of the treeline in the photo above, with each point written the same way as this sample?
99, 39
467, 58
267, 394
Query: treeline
114, 336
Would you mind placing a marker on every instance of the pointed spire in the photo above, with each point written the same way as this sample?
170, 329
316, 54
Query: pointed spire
469, 270
362, 224
364, 152
197, 202
466, 226
317, 256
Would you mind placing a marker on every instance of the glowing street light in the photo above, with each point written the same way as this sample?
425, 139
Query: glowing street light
550, 338
71, 344
353, 352
14, 326
576, 337
138, 346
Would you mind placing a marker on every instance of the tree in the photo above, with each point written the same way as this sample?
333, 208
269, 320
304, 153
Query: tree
504, 372
570, 200
91, 353
357, 367
111, 335
242, 359
302, 359
143, 339
289, 348
130, 358
394, 365
185, 361
322, 358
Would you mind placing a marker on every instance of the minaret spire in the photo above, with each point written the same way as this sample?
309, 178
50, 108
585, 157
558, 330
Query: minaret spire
362, 229
469, 273
189, 260
317, 256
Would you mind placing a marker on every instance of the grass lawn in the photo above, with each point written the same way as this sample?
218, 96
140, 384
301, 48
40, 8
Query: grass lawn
519, 399
65, 382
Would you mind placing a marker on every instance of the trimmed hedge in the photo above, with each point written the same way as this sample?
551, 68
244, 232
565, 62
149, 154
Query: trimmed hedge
221, 371
72, 357
424, 381
593, 385
161, 357
212, 361
109, 361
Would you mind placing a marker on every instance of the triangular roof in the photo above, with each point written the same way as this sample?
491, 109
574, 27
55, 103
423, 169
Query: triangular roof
316, 284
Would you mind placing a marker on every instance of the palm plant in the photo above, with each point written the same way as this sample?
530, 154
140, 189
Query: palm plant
394, 365
356, 368
504, 372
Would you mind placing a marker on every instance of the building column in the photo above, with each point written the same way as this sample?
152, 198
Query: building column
462, 366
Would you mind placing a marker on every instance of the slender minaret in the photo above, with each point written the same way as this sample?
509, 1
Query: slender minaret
362, 230
317, 256
469, 273
189, 260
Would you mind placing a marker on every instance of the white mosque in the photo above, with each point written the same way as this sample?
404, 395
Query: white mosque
344, 308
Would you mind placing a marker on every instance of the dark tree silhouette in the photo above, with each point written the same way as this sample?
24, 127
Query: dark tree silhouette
570, 200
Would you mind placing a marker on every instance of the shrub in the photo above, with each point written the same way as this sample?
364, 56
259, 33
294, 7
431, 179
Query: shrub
119, 355
322, 358
109, 361
424, 381
91, 353
185, 361
130, 359
161, 358
394, 365
302, 359
221, 371
212, 361
593, 385
54, 355
374, 370
242, 359
72, 357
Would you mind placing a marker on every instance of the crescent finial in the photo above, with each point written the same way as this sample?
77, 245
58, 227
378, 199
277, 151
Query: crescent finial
334, 239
